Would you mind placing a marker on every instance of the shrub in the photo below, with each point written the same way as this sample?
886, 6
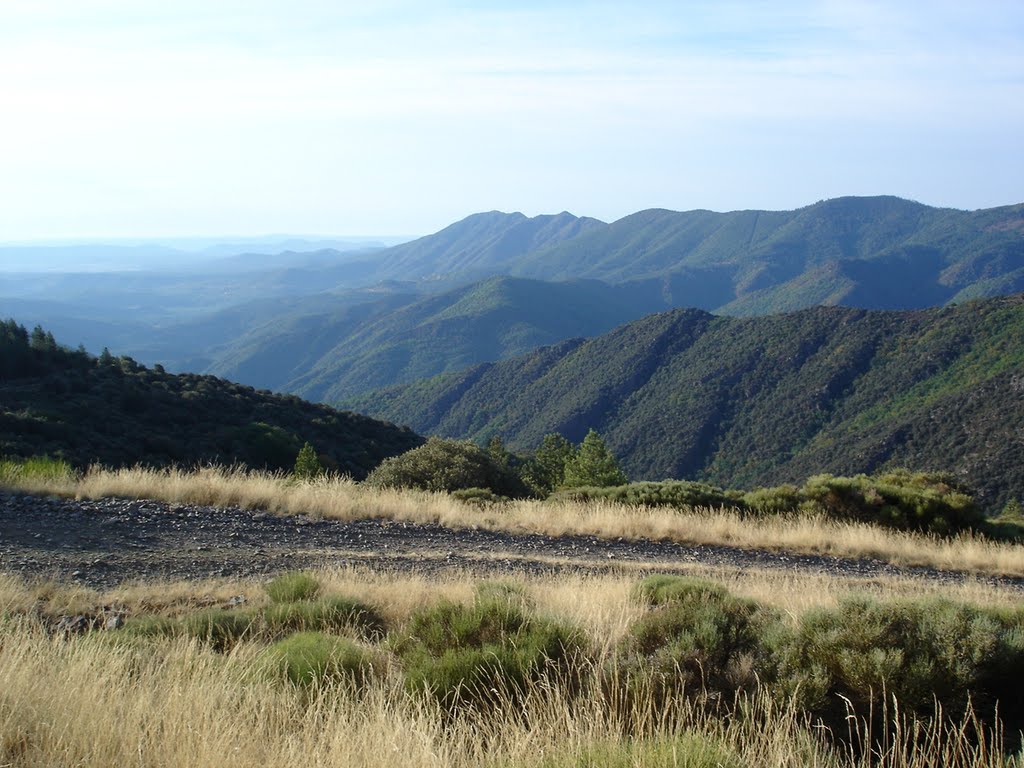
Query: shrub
698, 640
475, 657
900, 499
447, 465
289, 587
307, 463
327, 614
682, 494
221, 629
308, 658
780, 500
867, 652
481, 497
659, 589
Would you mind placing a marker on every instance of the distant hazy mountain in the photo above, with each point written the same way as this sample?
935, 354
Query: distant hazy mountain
751, 401
335, 354
479, 246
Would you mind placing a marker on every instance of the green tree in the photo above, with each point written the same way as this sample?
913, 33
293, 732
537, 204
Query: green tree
546, 470
307, 463
498, 453
593, 464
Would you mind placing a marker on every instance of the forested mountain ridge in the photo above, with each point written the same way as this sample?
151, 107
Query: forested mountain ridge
329, 357
869, 252
111, 410
757, 401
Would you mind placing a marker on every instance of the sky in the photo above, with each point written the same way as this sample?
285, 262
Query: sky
138, 118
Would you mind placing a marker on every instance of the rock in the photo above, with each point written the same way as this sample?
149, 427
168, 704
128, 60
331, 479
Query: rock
115, 621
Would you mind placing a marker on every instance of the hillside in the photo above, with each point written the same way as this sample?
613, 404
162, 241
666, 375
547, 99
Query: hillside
479, 246
114, 411
330, 355
753, 401
869, 252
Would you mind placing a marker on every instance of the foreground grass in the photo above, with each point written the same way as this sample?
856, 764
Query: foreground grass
171, 700
343, 499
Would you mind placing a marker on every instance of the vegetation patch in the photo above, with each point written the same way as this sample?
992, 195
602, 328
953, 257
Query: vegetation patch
292, 586
482, 655
447, 465
310, 658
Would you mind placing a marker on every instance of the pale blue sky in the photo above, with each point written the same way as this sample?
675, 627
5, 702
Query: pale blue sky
204, 117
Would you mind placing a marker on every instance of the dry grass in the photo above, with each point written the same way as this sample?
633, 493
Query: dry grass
172, 702
344, 499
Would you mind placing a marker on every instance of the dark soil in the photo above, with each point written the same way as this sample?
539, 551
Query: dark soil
110, 541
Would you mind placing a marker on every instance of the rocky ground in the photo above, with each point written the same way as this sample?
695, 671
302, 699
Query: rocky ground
110, 541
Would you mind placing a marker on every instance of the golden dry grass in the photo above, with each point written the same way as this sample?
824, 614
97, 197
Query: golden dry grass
341, 498
173, 702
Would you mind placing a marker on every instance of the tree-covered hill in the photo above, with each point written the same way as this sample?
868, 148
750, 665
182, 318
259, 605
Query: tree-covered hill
869, 252
479, 246
330, 356
113, 411
758, 401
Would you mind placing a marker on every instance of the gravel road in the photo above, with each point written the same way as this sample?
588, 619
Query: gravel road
103, 543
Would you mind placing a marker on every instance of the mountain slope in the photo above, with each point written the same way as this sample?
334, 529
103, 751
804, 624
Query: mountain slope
843, 251
335, 355
479, 246
113, 411
752, 401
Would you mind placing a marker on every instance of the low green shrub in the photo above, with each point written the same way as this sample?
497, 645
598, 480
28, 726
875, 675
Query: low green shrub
481, 497
449, 466
697, 639
292, 586
681, 494
661, 588
328, 614
308, 658
778, 500
220, 629
865, 652
918, 501
511, 592
480, 655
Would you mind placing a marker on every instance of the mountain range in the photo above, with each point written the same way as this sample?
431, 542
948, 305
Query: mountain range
743, 402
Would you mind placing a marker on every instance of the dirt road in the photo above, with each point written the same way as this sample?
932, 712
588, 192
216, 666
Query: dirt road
107, 542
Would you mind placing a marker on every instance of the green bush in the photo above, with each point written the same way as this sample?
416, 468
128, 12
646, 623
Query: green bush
481, 497
478, 656
697, 639
900, 499
308, 658
866, 652
221, 629
307, 463
681, 494
447, 465
780, 500
326, 614
660, 588
292, 586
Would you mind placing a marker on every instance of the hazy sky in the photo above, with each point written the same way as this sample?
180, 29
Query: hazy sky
197, 117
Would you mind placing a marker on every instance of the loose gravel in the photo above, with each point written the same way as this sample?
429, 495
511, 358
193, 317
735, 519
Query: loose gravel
110, 541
